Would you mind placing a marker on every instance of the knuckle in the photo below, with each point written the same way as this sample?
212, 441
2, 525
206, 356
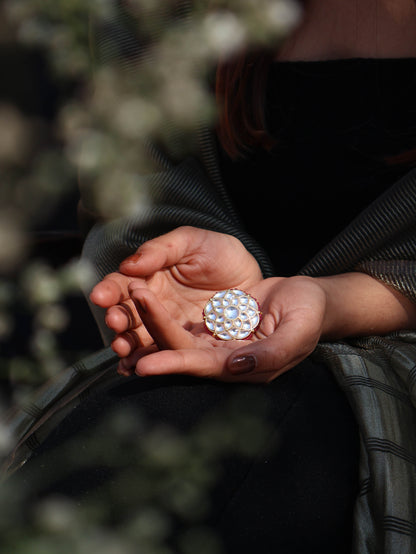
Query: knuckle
132, 340
130, 313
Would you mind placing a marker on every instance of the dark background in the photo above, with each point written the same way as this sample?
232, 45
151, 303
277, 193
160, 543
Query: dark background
29, 85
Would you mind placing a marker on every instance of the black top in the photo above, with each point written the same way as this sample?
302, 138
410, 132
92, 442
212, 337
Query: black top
335, 123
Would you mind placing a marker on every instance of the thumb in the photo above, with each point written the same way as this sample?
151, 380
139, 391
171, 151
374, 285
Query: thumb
253, 359
282, 350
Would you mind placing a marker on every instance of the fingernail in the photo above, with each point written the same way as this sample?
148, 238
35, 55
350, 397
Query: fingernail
242, 364
133, 259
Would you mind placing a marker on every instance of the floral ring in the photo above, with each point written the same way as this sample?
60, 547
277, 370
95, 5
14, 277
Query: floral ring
232, 314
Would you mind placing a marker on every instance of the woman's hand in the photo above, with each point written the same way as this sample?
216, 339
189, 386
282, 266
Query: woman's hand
156, 301
293, 312
183, 269
155, 304
297, 313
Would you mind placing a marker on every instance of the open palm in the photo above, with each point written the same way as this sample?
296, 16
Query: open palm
181, 269
155, 307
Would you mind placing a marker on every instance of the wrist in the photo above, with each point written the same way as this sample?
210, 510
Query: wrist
339, 311
359, 305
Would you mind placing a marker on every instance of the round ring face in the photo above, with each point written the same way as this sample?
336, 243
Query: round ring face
232, 314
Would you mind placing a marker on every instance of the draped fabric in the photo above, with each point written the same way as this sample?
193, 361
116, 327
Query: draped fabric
377, 374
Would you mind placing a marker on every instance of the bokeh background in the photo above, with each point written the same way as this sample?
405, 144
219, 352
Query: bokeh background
75, 110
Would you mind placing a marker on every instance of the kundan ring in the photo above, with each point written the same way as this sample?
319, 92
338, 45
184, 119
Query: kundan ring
232, 314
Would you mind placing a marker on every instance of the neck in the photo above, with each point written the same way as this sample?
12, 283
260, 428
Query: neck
332, 29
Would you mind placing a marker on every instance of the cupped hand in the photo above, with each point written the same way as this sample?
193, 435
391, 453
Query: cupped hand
155, 303
182, 269
293, 321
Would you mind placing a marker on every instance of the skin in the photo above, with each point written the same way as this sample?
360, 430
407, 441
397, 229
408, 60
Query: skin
334, 29
154, 302
167, 284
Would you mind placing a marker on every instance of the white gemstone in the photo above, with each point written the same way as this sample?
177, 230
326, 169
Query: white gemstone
232, 314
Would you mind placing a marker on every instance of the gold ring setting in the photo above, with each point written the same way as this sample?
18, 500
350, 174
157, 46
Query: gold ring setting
232, 314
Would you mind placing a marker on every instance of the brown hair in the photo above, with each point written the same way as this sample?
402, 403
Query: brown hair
241, 96
240, 92
406, 158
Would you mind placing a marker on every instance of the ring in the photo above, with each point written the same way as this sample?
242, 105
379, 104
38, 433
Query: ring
232, 314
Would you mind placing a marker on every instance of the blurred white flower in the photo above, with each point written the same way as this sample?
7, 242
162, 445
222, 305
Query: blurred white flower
90, 149
44, 347
120, 193
12, 241
40, 284
15, 135
84, 274
53, 317
282, 14
56, 515
185, 101
224, 32
137, 117
6, 325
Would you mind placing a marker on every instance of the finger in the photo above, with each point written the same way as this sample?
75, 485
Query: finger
125, 372
160, 252
206, 363
126, 366
167, 332
292, 342
129, 341
110, 291
123, 317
